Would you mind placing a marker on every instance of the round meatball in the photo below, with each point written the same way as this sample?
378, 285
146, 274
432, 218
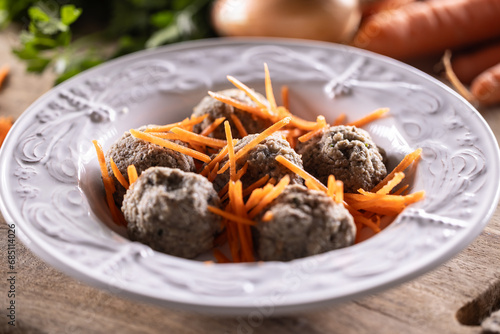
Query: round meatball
166, 209
304, 222
348, 153
216, 109
262, 161
129, 150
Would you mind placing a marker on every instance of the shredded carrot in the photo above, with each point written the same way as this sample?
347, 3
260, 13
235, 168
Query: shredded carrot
398, 177
285, 96
183, 124
331, 186
218, 158
339, 120
310, 134
220, 257
5, 126
405, 163
302, 124
211, 128
257, 195
311, 185
132, 174
241, 129
109, 187
239, 105
119, 176
223, 192
268, 198
339, 191
236, 198
370, 117
4, 72
248, 91
254, 142
268, 216
368, 222
168, 144
401, 190
382, 204
269, 91
189, 136
230, 216
257, 184
302, 173
230, 146
165, 135
213, 173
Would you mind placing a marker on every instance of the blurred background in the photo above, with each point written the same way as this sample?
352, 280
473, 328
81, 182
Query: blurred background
66, 37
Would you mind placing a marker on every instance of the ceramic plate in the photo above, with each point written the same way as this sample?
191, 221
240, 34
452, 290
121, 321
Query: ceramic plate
52, 191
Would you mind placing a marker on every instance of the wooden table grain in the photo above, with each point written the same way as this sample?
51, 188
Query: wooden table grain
48, 301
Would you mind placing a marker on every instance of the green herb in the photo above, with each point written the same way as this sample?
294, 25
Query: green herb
80, 34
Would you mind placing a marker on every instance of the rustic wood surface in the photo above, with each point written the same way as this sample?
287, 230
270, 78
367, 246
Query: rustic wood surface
48, 301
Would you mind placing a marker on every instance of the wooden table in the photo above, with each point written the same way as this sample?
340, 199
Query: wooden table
48, 301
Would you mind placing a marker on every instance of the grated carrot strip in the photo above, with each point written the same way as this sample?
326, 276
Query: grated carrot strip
132, 174
269, 197
166, 135
5, 126
218, 158
398, 177
331, 186
302, 173
182, 124
285, 97
368, 222
310, 185
223, 192
213, 173
230, 216
269, 91
248, 91
4, 72
220, 257
239, 105
257, 196
211, 128
168, 144
302, 124
401, 190
237, 122
339, 191
268, 216
119, 176
257, 184
236, 198
310, 134
230, 146
370, 117
191, 136
263, 135
405, 163
339, 120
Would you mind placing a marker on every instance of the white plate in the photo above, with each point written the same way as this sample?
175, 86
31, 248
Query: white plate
52, 192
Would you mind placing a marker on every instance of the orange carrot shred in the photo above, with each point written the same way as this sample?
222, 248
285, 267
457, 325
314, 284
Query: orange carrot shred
311, 185
5, 126
339, 120
168, 144
302, 173
401, 190
260, 182
302, 124
220, 257
269, 91
239, 105
119, 176
189, 136
209, 129
268, 198
285, 96
405, 163
241, 129
263, 135
331, 186
132, 174
370, 117
339, 191
218, 158
4, 72
248, 91
310, 135
398, 177
183, 124
213, 173
230, 216
230, 146
268, 216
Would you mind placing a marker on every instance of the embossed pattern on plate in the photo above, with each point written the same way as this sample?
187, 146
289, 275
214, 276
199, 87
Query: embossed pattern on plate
51, 185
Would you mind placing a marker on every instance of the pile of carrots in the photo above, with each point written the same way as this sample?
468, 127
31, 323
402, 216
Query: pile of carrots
242, 206
411, 29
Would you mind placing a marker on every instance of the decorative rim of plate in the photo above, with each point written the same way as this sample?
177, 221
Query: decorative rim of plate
461, 154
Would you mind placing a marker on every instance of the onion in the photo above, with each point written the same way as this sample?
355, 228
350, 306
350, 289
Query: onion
326, 20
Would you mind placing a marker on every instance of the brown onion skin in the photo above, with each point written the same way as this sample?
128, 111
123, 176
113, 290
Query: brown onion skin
325, 20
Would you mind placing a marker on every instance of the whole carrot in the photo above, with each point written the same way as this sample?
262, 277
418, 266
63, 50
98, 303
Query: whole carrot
423, 28
469, 66
486, 87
